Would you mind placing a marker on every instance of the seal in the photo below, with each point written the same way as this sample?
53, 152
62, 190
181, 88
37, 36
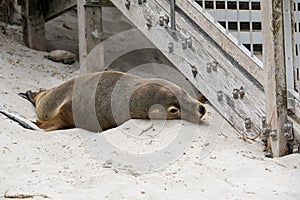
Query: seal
66, 57
103, 100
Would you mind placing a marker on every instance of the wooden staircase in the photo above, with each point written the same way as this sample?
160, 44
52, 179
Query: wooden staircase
234, 90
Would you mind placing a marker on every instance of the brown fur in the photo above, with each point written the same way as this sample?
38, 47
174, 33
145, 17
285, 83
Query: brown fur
104, 100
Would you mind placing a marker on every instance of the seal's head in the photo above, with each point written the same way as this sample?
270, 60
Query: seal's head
160, 99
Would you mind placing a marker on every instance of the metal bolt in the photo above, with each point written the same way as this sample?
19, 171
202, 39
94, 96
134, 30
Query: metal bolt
220, 95
194, 71
273, 135
161, 20
263, 139
264, 121
288, 131
287, 126
208, 67
149, 23
215, 65
127, 4
184, 43
235, 93
171, 47
189, 42
247, 123
242, 92
166, 20
287, 134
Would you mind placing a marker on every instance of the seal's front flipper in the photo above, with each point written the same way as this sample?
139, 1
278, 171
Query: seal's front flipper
28, 95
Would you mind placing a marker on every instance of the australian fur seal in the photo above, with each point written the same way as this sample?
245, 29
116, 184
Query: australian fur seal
103, 100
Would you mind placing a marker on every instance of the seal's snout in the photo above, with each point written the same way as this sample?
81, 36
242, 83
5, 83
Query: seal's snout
202, 110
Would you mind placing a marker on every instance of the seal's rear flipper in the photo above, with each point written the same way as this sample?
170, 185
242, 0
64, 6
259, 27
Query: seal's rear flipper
25, 123
28, 95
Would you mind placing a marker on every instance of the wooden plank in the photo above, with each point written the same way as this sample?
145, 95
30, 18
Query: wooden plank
229, 74
274, 64
54, 8
209, 26
90, 29
34, 25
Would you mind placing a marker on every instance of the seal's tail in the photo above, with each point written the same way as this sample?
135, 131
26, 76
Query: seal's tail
29, 95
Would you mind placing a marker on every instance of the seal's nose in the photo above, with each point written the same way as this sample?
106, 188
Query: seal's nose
202, 110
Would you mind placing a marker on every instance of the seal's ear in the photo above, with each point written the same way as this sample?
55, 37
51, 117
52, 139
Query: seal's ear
173, 110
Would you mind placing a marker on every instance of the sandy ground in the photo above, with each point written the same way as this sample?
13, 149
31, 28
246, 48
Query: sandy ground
132, 161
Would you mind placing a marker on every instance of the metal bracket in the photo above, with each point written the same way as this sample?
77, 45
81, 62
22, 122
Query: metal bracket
290, 100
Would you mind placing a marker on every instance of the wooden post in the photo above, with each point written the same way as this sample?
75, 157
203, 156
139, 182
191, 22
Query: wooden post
275, 73
90, 30
34, 25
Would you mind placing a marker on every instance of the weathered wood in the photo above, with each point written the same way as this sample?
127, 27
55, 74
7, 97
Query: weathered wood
274, 65
229, 75
90, 28
101, 3
34, 25
192, 8
54, 8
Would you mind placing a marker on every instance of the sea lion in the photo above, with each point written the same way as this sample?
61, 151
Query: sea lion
66, 57
103, 100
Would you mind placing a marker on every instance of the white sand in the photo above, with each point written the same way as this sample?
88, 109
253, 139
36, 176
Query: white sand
72, 164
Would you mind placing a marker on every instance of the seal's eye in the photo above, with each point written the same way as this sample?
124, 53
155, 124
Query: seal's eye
173, 110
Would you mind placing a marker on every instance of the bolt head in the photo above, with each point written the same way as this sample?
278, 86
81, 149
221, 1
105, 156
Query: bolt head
264, 121
171, 47
220, 95
242, 93
194, 71
166, 19
235, 93
287, 134
161, 21
287, 126
184, 43
247, 123
189, 42
127, 4
208, 68
263, 139
149, 23
214, 66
